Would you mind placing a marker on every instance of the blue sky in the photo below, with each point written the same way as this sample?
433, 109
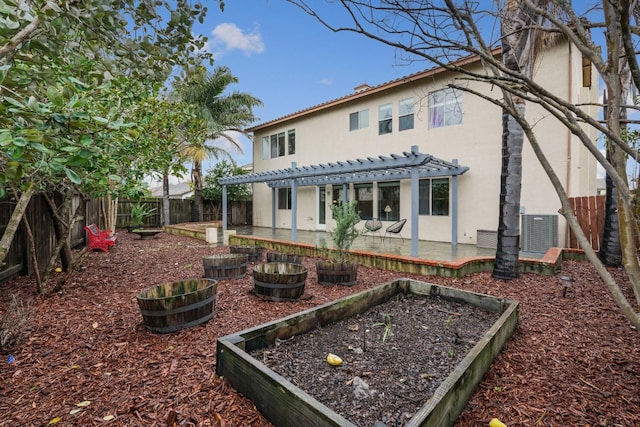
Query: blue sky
290, 61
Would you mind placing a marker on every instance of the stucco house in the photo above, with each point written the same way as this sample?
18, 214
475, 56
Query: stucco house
458, 129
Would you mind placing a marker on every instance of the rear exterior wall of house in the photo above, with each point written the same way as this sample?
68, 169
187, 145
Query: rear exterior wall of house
442, 123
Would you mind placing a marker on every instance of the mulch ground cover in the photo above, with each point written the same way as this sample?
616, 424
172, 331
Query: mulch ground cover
86, 358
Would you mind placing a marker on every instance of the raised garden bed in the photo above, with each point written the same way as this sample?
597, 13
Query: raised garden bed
286, 404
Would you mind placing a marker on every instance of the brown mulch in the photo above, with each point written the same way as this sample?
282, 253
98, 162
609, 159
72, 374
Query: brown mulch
88, 360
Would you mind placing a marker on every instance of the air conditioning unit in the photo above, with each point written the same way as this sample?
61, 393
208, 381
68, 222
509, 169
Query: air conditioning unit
539, 233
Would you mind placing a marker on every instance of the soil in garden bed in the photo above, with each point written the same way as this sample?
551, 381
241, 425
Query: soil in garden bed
395, 356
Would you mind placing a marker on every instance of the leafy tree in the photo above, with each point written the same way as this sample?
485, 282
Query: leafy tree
67, 72
212, 189
443, 30
223, 113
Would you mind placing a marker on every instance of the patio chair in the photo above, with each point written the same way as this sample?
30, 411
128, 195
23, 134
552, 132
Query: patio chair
396, 228
372, 226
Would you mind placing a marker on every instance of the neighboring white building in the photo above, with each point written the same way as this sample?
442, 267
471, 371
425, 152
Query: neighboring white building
177, 190
419, 110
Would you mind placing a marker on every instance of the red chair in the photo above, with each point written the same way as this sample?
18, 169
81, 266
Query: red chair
99, 239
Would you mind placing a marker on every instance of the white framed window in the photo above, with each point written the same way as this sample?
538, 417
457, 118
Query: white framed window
359, 120
445, 108
291, 142
385, 121
284, 198
434, 197
277, 145
265, 148
405, 114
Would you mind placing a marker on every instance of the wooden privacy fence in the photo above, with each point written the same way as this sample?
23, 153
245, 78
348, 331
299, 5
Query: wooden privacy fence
590, 213
238, 213
19, 259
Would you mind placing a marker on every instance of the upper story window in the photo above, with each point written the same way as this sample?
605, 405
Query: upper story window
445, 108
385, 122
265, 148
405, 114
359, 120
279, 144
291, 141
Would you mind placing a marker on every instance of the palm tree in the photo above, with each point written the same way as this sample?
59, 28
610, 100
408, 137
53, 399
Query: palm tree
522, 41
518, 52
222, 113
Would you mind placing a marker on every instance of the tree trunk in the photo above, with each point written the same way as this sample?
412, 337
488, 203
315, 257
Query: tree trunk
14, 221
610, 252
61, 226
109, 213
507, 262
196, 174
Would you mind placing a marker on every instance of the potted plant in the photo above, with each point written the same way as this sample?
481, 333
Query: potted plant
340, 270
139, 211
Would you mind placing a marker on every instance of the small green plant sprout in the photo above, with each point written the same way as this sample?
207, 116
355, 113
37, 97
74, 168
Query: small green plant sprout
452, 353
449, 321
388, 332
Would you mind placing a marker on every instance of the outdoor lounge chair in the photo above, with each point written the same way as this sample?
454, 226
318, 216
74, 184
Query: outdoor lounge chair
372, 226
396, 228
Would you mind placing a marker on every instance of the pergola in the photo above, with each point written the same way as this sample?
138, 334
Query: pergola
412, 165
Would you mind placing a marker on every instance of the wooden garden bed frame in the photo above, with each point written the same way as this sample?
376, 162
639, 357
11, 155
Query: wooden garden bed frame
284, 404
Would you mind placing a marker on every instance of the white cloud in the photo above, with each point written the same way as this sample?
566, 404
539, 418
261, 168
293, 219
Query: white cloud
325, 82
228, 37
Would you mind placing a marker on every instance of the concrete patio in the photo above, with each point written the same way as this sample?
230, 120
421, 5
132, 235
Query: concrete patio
391, 252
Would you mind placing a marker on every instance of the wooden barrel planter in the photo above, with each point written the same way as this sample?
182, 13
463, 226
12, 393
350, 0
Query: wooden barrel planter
172, 306
225, 266
337, 273
253, 252
281, 257
279, 281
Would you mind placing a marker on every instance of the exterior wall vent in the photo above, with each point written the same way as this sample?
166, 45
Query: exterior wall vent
487, 239
539, 233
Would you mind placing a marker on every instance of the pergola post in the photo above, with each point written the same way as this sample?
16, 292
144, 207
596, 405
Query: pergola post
415, 204
345, 193
273, 209
294, 206
224, 209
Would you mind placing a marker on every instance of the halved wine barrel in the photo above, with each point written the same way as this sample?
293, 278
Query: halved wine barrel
253, 252
279, 281
225, 266
281, 257
172, 306
337, 273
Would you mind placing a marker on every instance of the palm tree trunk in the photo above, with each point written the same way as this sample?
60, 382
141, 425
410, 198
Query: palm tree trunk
196, 175
610, 252
507, 263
